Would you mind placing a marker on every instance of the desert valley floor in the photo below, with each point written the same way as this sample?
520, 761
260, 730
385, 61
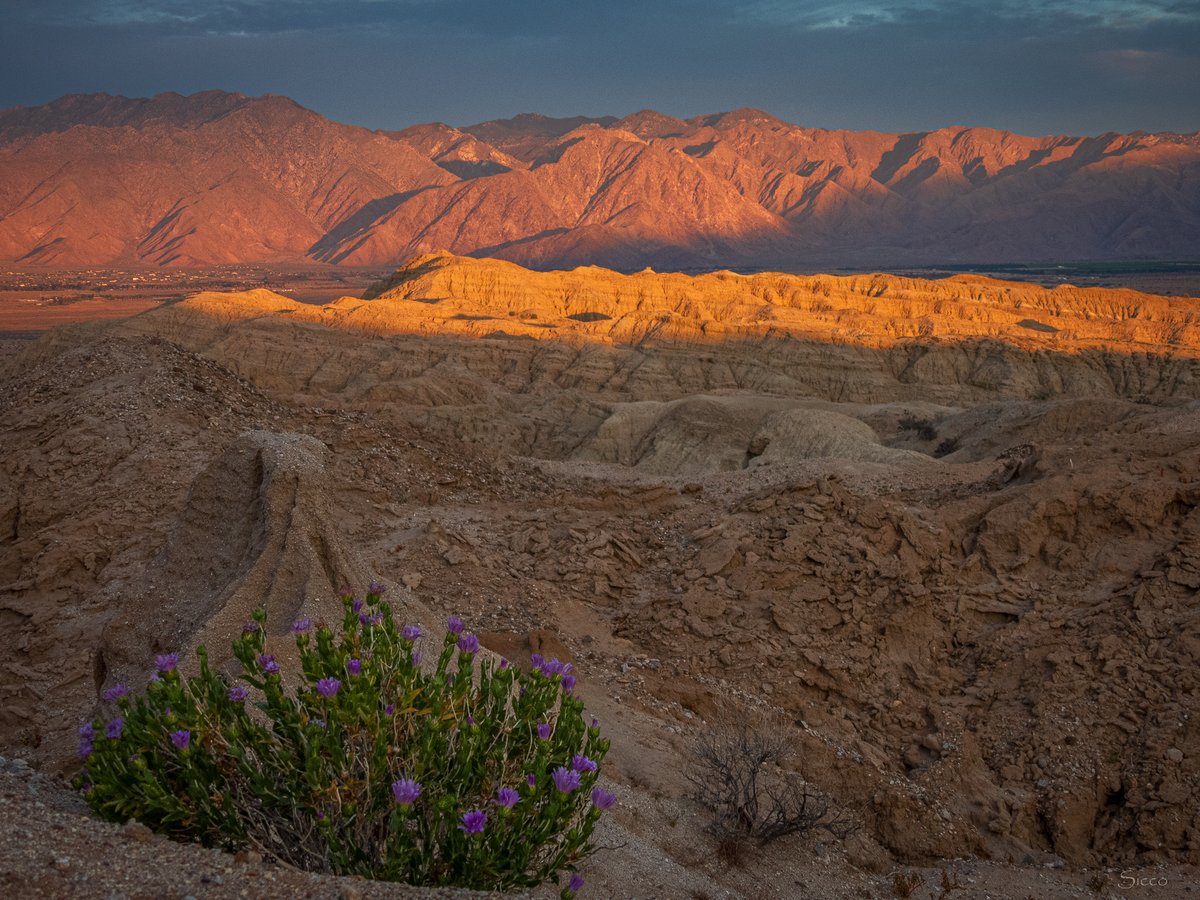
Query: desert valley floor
950, 529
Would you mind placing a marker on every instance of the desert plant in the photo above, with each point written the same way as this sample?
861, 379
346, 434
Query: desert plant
905, 884
923, 427
946, 447
738, 774
464, 772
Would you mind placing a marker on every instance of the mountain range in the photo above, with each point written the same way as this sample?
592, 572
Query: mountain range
217, 177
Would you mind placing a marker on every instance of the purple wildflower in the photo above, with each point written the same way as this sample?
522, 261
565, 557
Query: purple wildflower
411, 632
167, 662
602, 799
536, 660
301, 626
576, 883
87, 733
566, 780
503, 664
507, 797
406, 791
354, 666
112, 731
250, 628
581, 763
468, 643
389, 710
116, 692
320, 723
356, 605
473, 822
454, 625
328, 687
375, 588
375, 619
238, 694
568, 682
531, 780
470, 720
267, 661
595, 722
543, 731
416, 657
181, 738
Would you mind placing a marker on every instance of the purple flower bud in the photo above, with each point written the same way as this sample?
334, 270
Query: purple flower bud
356, 605
602, 799
113, 730
328, 687
531, 780
320, 723
250, 628
375, 619
389, 710
566, 780
543, 731
375, 588
301, 626
568, 682
354, 666
167, 662
507, 797
470, 720
411, 632
238, 694
87, 731
582, 764
575, 884
85, 748
416, 657
116, 692
503, 664
181, 738
468, 643
595, 722
454, 625
267, 661
473, 822
406, 791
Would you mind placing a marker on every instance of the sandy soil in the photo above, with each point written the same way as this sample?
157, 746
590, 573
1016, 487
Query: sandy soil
985, 648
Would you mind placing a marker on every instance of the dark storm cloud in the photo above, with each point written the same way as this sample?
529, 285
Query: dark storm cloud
1077, 66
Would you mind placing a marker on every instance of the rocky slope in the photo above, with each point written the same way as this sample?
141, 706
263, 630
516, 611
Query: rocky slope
970, 586
216, 178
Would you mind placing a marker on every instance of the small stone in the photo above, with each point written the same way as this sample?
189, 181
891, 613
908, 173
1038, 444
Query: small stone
136, 831
1175, 755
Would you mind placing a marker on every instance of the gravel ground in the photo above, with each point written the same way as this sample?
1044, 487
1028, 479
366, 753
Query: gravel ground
50, 846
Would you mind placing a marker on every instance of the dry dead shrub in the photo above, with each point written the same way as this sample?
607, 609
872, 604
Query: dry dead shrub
739, 772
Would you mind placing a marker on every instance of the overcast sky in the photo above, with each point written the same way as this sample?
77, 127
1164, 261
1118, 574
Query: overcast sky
1060, 66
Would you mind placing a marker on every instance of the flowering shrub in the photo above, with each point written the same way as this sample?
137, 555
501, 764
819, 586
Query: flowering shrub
466, 773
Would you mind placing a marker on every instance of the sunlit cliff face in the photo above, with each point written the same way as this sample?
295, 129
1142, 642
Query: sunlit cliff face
441, 294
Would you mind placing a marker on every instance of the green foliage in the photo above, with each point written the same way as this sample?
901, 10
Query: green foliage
325, 777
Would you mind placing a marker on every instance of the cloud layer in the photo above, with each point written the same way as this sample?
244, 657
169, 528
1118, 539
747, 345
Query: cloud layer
1074, 66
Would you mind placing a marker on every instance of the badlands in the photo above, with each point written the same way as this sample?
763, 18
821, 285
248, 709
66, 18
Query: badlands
950, 530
